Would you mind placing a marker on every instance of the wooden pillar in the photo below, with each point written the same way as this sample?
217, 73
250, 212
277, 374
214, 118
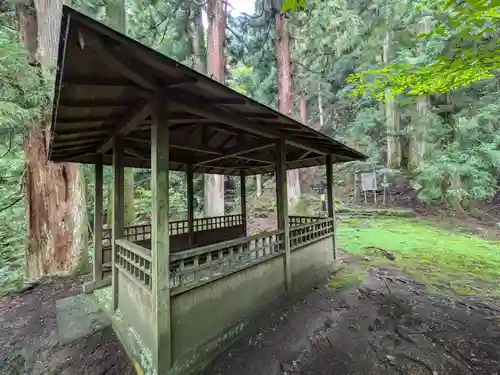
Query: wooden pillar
160, 239
282, 207
331, 198
98, 221
190, 202
243, 201
118, 209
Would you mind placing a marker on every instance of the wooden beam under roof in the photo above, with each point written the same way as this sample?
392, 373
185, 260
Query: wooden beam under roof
125, 126
94, 104
239, 150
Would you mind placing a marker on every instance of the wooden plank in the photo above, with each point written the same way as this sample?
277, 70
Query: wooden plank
282, 206
160, 240
127, 124
331, 199
94, 104
118, 211
98, 221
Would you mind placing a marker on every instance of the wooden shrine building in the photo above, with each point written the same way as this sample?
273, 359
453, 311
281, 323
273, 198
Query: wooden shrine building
178, 292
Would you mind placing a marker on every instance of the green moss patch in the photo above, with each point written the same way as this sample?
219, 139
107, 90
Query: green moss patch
467, 264
346, 277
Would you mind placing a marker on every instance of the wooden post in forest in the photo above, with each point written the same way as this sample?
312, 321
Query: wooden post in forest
331, 199
243, 200
190, 203
118, 230
160, 237
282, 207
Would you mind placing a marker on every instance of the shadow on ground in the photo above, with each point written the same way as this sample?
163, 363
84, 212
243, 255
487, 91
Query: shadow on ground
35, 339
385, 324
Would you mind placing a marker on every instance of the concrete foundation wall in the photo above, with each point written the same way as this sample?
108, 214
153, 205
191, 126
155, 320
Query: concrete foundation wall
136, 308
308, 260
207, 318
136, 348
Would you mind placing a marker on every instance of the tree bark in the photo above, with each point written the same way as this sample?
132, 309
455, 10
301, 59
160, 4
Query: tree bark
55, 193
258, 185
320, 108
285, 98
216, 13
391, 113
417, 148
197, 36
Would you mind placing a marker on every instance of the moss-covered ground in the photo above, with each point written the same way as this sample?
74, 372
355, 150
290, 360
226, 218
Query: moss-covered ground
438, 258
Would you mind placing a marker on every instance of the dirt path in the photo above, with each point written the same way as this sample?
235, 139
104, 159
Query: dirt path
29, 341
381, 326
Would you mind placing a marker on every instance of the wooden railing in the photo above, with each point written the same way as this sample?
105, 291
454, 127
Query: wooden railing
301, 220
134, 261
142, 232
191, 268
201, 265
305, 234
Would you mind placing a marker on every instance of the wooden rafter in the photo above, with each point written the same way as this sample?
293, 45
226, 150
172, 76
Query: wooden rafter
238, 151
94, 104
127, 124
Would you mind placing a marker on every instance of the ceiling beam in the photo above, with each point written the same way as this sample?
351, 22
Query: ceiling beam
94, 104
127, 124
304, 155
74, 135
77, 142
80, 120
95, 83
239, 150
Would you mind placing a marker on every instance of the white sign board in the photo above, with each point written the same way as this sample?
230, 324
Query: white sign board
368, 181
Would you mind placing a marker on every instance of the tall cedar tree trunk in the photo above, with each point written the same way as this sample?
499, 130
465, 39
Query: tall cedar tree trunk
216, 13
116, 18
197, 38
55, 194
418, 134
452, 183
285, 98
196, 34
306, 174
258, 185
391, 113
320, 109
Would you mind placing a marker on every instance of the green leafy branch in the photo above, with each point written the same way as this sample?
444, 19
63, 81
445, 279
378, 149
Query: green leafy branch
474, 56
293, 5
